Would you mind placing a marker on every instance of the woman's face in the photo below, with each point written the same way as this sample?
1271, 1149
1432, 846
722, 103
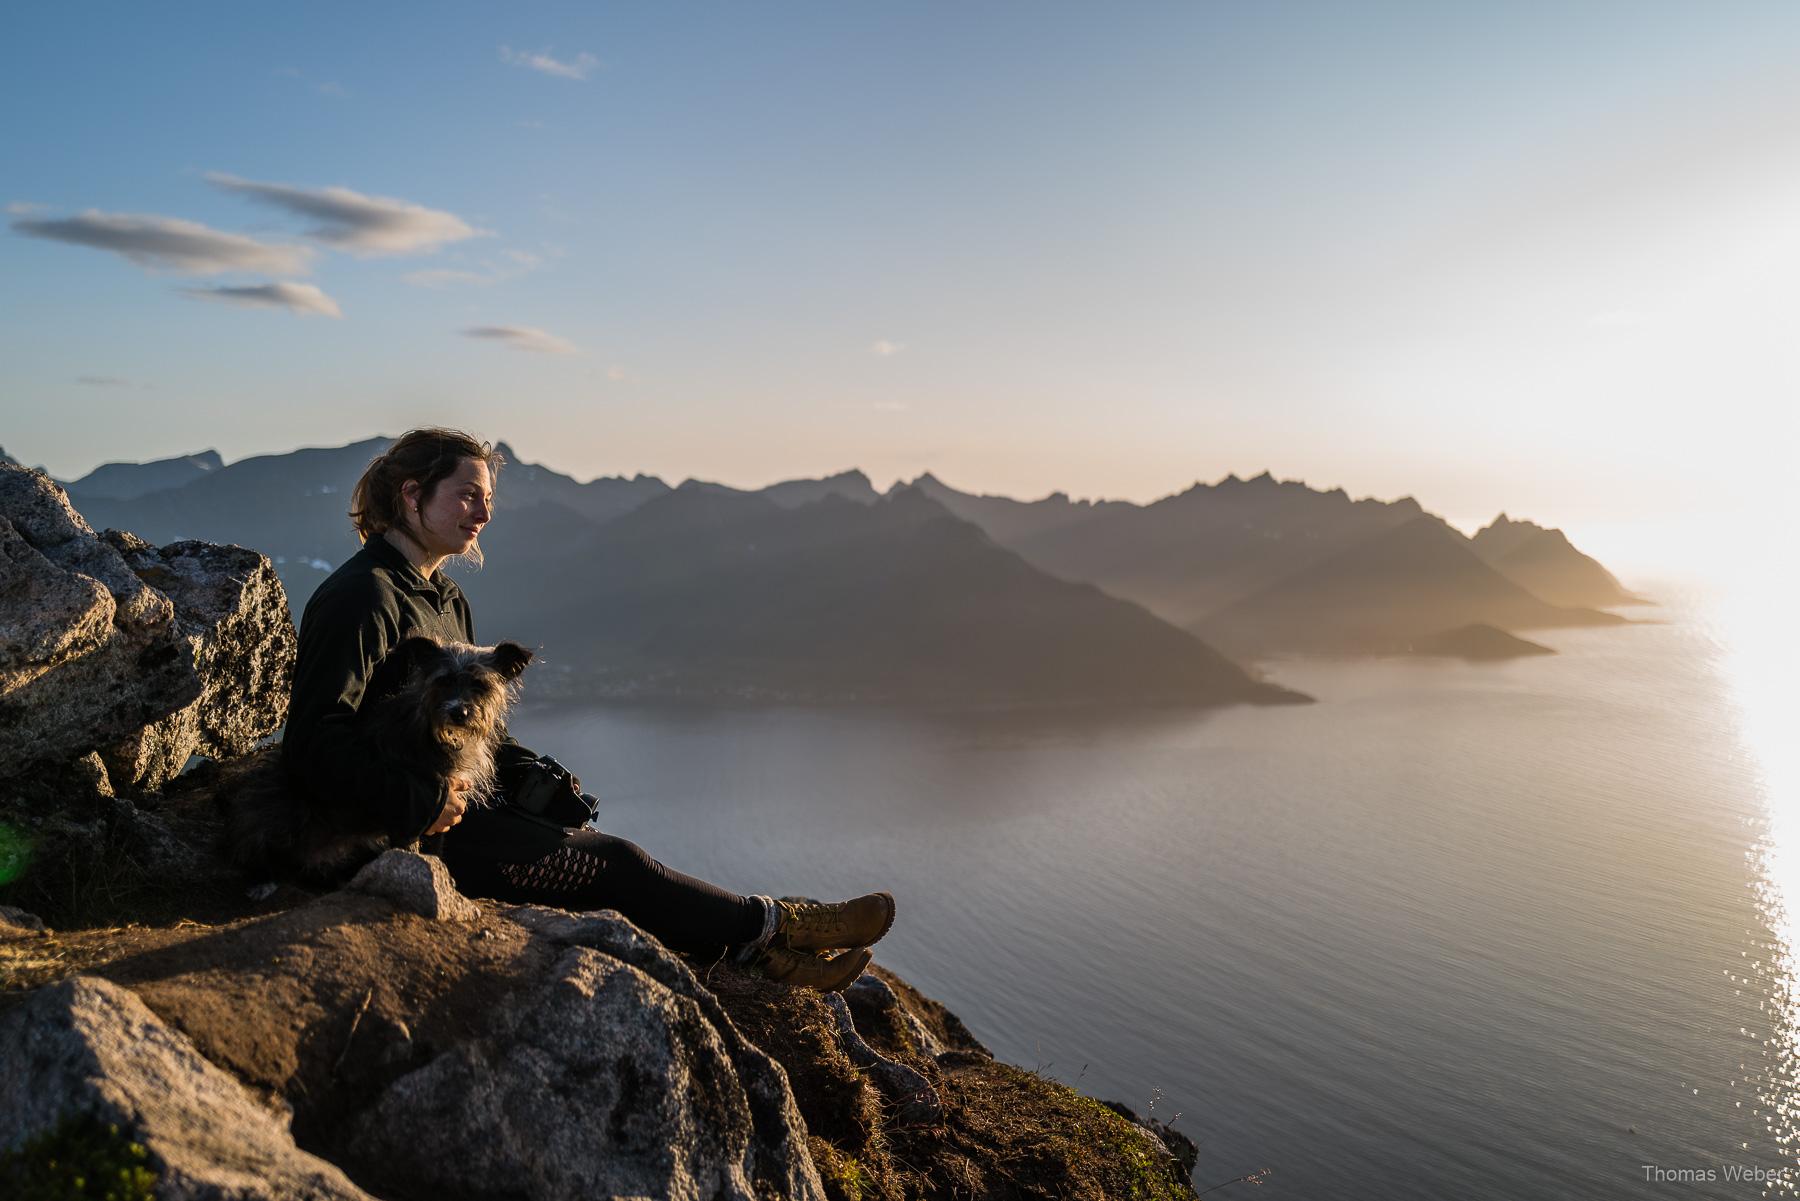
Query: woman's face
447, 522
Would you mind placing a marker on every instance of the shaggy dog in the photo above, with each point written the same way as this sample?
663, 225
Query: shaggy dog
442, 720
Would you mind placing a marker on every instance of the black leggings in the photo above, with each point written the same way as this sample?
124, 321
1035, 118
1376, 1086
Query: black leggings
511, 857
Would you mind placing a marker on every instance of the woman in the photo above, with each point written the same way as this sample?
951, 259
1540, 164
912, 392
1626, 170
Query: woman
424, 501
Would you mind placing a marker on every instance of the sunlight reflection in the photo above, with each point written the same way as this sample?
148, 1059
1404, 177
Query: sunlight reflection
1760, 655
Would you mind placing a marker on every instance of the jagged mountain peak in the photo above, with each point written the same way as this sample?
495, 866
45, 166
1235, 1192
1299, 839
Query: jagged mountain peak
911, 496
1514, 526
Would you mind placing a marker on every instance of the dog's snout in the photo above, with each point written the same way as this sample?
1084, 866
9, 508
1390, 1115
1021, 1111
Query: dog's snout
458, 711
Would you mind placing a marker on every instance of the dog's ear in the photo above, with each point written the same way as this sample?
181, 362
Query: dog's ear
509, 659
416, 655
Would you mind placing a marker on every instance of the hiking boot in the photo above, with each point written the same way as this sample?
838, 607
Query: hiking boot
813, 926
802, 970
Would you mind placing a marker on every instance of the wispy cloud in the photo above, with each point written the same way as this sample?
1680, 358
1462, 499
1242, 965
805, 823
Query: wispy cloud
446, 277
102, 381
169, 243
890, 406
579, 67
523, 337
616, 374
20, 208
885, 348
325, 87
304, 299
511, 265
350, 221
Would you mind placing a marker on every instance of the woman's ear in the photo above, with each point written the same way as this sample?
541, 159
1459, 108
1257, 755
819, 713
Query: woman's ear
410, 494
509, 659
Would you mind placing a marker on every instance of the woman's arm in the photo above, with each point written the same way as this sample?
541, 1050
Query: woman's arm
345, 633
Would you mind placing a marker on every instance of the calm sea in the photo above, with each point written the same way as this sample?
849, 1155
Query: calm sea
1454, 931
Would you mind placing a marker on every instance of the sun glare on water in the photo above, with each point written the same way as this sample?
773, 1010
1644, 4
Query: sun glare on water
1754, 628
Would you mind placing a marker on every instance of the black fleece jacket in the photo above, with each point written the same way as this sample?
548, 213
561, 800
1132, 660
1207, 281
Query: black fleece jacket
362, 611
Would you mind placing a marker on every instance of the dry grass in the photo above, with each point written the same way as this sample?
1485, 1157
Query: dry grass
1005, 1133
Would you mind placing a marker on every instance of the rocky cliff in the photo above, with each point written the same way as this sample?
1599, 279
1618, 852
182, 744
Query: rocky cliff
163, 1035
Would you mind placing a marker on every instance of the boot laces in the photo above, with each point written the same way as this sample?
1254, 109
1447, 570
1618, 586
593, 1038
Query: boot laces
812, 917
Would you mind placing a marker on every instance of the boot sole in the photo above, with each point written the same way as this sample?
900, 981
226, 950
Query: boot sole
861, 957
887, 925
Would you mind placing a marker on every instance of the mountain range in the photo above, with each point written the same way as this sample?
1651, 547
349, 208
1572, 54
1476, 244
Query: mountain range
827, 588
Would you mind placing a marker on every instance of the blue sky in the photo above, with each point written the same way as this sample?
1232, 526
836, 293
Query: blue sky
1533, 257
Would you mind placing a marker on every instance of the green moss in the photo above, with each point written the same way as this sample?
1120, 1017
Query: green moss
15, 853
1134, 1166
83, 1159
845, 1179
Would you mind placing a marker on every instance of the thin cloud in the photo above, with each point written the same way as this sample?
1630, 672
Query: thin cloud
325, 87
445, 277
577, 68
522, 337
885, 348
169, 243
304, 299
511, 265
21, 208
350, 221
890, 406
103, 381
616, 374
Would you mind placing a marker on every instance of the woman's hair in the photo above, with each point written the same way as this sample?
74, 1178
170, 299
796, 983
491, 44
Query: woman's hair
429, 456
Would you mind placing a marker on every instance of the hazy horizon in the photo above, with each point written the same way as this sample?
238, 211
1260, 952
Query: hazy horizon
1467, 524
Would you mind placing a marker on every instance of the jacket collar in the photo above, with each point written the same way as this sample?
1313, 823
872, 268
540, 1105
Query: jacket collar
387, 555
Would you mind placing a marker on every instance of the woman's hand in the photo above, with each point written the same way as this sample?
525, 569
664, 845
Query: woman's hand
453, 808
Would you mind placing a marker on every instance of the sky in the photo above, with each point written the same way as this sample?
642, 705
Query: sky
1540, 258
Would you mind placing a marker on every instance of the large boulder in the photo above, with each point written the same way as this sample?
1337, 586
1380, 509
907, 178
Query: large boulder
603, 1083
89, 653
232, 613
147, 656
433, 1045
88, 1049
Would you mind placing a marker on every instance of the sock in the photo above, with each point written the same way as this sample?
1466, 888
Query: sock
771, 920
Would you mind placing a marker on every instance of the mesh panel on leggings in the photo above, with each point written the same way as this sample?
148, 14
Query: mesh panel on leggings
565, 870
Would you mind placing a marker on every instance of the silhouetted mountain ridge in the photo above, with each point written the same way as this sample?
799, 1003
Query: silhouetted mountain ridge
714, 592
125, 481
1198, 550
1384, 593
1268, 564
1545, 561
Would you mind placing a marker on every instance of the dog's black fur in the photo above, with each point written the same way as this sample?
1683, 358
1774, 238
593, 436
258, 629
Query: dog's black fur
443, 720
